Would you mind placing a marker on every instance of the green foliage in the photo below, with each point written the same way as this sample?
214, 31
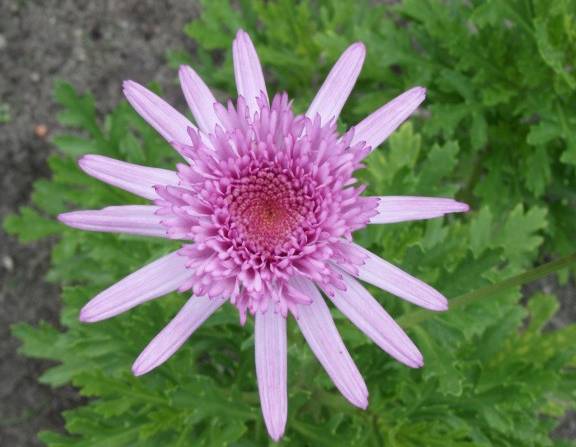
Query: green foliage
500, 76
5, 116
495, 132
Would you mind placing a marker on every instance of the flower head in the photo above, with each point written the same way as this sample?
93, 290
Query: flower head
265, 203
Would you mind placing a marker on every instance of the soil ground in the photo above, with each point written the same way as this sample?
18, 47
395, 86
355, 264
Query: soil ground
94, 45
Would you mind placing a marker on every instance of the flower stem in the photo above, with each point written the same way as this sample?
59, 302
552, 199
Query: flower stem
418, 316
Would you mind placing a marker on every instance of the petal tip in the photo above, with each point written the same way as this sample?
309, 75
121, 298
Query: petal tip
186, 74
88, 162
184, 68
72, 219
83, 162
138, 369
276, 433
362, 404
241, 35
463, 207
359, 46
64, 218
85, 316
128, 85
417, 361
422, 91
440, 306
359, 399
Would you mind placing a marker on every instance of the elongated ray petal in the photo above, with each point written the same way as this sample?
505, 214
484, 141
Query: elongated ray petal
130, 219
333, 94
320, 332
199, 98
376, 127
247, 71
169, 340
271, 370
156, 279
401, 209
367, 314
388, 277
139, 180
168, 121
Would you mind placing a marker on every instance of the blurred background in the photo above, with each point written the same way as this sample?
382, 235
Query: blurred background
485, 93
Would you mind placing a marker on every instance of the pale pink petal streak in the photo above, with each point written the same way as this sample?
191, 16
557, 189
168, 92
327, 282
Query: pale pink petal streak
271, 369
390, 278
333, 94
139, 180
401, 209
158, 278
129, 219
375, 128
319, 330
369, 316
167, 121
248, 71
169, 340
199, 98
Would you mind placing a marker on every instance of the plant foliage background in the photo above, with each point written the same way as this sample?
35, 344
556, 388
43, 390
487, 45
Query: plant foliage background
497, 131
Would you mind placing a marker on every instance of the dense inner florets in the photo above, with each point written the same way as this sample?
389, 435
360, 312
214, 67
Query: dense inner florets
270, 208
266, 196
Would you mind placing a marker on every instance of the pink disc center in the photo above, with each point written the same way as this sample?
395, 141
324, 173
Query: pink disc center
267, 208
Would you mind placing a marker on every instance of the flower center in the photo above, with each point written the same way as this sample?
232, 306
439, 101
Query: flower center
267, 208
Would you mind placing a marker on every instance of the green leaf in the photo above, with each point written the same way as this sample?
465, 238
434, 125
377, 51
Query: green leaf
519, 234
30, 226
481, 228
478, 131
542, 308
75, 146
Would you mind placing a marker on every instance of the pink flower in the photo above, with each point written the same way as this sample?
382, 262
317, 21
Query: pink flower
266, 204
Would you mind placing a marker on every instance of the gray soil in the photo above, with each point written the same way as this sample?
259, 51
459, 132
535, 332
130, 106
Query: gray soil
94, 45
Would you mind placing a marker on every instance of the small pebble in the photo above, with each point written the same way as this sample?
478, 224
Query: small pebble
41, 130
8, 263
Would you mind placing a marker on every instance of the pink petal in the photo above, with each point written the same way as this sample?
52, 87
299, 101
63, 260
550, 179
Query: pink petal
199, 98
156, 279
169, 339
401, 209
375, 128
247, 71
169, 123
139, 180
271, 360
386, 276
317, 326
367, 314
337, 87
130, 219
